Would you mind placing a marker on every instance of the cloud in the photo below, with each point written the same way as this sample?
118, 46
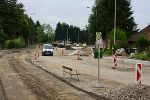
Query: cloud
141, 12
74, 12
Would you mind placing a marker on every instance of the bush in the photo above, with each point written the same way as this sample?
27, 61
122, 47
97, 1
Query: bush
16, 43
142, 56
19, 42
9, 44
108, 52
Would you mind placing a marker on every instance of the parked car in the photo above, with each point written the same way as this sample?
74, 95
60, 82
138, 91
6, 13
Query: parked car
120, 52
47, 50
61, 45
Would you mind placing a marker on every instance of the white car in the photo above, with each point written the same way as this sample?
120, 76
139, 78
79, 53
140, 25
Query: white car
47, 50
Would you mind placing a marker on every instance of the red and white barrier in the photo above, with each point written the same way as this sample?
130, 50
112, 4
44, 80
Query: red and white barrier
78, 55
35, 55
36, 52
38, 55
62, 52
115, 61
138, 73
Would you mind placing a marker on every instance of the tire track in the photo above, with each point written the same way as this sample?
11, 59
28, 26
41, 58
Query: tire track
38, 87
2, 92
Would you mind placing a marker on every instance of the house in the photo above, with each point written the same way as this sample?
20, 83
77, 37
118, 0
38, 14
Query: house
144, 32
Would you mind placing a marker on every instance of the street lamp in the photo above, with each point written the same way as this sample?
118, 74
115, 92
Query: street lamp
33, 40
78, 36
95, 16
67, 34
31, 14
115, 24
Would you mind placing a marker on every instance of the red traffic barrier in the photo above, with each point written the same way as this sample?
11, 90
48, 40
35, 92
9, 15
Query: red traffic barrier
115, 61
138, 73
62, 52
35, 57
78, 55
38, 55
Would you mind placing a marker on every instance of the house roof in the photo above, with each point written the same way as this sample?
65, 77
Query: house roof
144, 32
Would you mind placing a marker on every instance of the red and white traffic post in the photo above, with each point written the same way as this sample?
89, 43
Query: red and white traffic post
62, 52
36, 51
138, 72
114, 61
78, 55
35, 55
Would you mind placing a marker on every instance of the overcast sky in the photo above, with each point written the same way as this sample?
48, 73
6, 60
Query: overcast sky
75, 12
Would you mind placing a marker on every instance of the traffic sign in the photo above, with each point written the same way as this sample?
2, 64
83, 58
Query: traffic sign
99, 40
98, 36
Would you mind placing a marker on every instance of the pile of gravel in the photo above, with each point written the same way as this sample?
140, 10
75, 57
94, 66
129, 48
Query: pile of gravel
131, 92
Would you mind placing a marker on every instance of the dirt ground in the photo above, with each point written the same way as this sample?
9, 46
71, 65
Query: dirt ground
124, 72
22, 80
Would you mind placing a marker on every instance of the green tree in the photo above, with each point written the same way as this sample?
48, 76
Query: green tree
102, 17
28, 30
64, 28
41, 38
37, 32
75, 34
58, 31
49, 32
142, 43
121, 38
12, 15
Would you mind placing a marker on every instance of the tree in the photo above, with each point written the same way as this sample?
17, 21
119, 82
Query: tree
2, 36
102, 17
15, 23
121, 38
37, 25
28, 30
142, 43
75, 34
41, 38
12, 15
49, 32
58, 32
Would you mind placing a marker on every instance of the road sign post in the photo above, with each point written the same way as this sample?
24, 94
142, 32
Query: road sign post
98, 43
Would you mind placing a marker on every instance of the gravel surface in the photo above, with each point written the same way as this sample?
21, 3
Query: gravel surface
115, 90
115, 84
110, 89
131, 92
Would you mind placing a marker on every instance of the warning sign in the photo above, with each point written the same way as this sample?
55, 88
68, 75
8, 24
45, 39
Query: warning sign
98, 36
99, 40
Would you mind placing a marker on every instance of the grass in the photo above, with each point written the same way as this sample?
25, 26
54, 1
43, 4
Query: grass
142, 56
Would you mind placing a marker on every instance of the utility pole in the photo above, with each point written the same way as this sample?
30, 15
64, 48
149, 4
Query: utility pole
78, 36
115, 24
67, 34
33, 37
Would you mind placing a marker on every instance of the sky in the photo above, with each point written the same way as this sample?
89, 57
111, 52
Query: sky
75, 12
